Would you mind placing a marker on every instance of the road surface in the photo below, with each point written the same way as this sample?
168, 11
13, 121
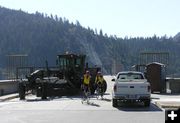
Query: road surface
71, 110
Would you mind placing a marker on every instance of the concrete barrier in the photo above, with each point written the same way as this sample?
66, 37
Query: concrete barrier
8, 87
173, 84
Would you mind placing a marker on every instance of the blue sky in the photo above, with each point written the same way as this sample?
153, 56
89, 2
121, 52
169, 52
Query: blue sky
132, 18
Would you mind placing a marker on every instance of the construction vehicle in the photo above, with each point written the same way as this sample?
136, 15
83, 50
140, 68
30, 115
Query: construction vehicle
63, 80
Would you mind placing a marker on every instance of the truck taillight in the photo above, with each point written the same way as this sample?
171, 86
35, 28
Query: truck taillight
149, 88
115, 88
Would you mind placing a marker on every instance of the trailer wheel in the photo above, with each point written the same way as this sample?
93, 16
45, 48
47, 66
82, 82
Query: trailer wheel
44, 91
21, 91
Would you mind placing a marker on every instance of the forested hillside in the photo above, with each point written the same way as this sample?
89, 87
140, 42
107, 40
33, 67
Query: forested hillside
42, 37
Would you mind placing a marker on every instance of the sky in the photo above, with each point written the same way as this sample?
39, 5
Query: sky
123, 18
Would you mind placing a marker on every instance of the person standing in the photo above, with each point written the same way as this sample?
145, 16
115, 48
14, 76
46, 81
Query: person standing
86, 81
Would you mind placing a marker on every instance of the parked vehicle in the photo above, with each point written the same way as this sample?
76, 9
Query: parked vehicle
131, 86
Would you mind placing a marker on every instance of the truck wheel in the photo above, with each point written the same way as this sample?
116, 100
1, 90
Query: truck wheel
21, 91
44, 91
147, 103
114, 103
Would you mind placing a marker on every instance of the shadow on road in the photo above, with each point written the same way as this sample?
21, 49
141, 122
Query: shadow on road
36, 100
105, 99
92, 104
139, 108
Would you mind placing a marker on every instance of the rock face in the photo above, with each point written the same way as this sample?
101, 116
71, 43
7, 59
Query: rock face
91, 53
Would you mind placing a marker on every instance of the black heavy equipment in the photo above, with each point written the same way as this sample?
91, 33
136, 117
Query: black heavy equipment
63, 80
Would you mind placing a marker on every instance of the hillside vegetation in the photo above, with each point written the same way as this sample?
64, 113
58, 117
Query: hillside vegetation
42, 37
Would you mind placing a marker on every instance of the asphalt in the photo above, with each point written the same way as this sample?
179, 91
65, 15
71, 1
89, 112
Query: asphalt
163, 101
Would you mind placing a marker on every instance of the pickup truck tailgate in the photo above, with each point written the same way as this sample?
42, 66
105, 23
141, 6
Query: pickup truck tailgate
132, 88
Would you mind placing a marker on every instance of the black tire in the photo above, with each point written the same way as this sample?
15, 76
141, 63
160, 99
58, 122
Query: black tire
147, 103
44, 91
104, 86
92, 89
102, 92
114, 103
22, 91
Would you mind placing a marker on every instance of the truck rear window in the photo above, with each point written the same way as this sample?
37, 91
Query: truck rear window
130, 76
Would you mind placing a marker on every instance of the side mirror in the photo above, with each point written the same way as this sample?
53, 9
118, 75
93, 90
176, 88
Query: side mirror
113, 80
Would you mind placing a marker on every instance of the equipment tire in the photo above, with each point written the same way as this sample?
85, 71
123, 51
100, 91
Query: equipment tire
104, 86
44, 91
21, 91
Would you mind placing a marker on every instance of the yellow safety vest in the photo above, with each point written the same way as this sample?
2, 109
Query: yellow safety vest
87, 79
99, 79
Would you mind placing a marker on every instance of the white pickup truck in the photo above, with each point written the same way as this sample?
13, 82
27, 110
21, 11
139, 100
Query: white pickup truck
131, 86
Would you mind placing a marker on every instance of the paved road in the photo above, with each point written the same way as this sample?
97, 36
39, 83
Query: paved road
71, 110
